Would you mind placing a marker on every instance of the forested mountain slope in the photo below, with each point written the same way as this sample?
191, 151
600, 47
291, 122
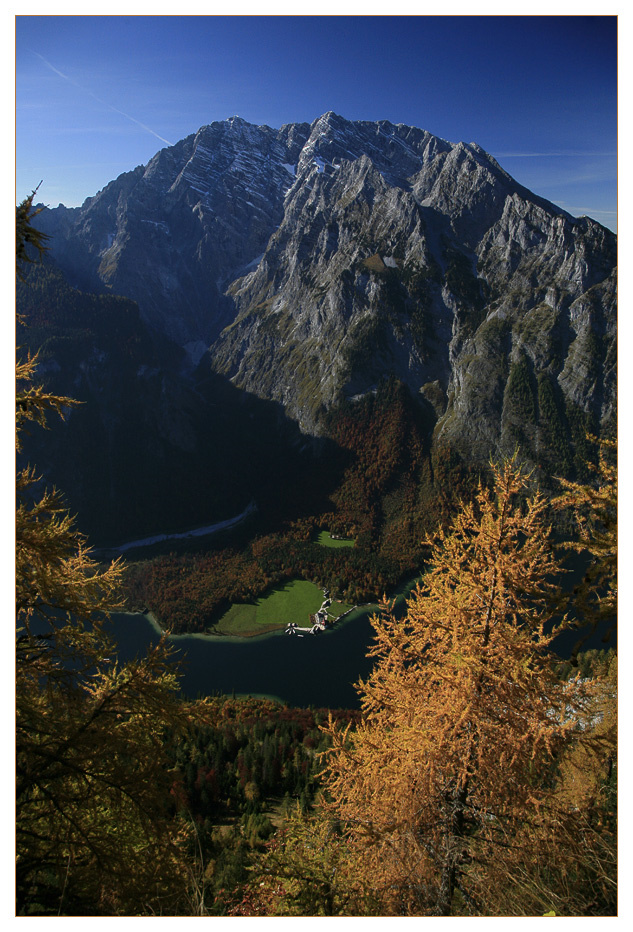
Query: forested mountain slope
278, 275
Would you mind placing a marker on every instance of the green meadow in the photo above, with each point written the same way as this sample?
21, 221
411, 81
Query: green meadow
326, 541
295, 601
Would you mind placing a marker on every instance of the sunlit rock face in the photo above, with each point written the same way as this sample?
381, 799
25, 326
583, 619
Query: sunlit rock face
171, 235
306, 263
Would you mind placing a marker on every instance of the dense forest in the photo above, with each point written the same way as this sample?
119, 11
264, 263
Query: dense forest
478, 777
392, 491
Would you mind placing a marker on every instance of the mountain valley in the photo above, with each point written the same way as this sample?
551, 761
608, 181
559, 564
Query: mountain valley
335, 324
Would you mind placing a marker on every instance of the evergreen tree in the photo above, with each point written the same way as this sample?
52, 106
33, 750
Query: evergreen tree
306, 870
29, 241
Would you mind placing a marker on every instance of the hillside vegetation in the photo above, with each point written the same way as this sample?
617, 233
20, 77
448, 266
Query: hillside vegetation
479, 777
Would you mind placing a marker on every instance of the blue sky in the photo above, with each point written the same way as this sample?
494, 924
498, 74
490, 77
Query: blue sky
98, 95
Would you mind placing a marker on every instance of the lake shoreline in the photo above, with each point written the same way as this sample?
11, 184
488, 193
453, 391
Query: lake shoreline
209, 636
295, 671
401, 593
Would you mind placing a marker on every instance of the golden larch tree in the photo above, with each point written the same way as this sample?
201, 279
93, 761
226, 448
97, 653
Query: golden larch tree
94, 832
463, 714
595, 510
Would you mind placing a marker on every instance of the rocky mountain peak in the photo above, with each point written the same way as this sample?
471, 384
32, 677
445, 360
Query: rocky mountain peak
314, 259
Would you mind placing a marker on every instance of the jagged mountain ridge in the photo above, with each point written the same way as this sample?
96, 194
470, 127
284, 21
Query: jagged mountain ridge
169, 234
311, 261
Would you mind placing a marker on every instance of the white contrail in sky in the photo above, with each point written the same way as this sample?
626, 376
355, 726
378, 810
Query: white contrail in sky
99, 100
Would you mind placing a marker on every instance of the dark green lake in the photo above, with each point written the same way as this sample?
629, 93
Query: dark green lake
318, 670
314, 670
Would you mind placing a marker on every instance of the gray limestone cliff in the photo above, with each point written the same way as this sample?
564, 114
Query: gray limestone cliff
307, 263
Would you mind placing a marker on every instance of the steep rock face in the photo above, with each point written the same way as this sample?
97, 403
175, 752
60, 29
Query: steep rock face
312, 261
401, 253
170, 235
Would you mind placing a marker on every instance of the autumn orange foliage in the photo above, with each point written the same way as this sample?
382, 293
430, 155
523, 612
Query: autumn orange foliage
463, 714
